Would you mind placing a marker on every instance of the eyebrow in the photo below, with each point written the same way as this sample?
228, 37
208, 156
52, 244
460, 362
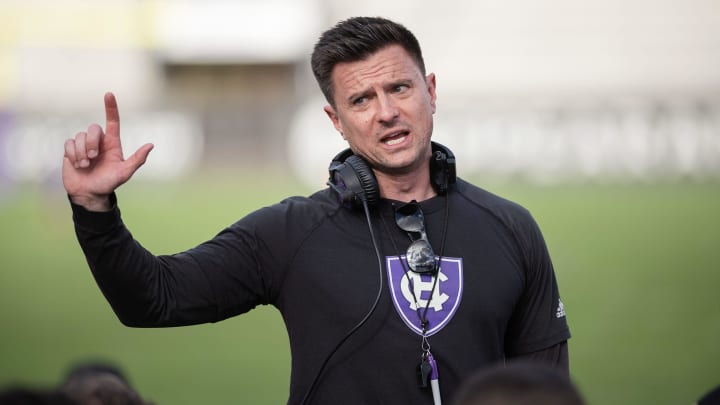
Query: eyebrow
363, 93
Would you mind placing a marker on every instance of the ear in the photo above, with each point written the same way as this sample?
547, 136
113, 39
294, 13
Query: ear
332, 114
430, 83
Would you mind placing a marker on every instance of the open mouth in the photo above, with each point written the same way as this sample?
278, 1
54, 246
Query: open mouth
395, 139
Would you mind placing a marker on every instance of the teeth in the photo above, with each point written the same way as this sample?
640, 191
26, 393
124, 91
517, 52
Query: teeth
395, 141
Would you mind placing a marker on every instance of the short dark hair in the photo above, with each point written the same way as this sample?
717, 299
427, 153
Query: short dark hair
33, 396
355, 39
519, 383
101, 383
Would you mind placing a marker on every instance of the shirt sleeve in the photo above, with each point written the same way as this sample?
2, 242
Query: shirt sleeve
146, 290
538, 321
555, 355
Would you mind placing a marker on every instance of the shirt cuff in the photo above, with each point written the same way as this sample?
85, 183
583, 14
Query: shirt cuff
93, 221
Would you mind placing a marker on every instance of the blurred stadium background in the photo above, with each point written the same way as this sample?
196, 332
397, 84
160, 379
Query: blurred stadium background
601, 117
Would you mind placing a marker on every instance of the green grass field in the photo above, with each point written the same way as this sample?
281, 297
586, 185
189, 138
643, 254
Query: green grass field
638, 267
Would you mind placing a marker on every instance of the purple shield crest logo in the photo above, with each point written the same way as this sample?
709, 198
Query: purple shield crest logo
411, 292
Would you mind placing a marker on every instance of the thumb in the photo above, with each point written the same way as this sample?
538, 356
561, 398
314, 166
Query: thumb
138, 158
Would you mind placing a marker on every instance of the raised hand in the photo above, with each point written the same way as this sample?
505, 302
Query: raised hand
94, 166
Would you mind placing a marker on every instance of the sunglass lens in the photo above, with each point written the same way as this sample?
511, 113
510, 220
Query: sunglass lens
420, 256
409, 218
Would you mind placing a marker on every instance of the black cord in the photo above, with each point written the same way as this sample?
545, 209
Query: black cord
439, 262
423, 317
310, 390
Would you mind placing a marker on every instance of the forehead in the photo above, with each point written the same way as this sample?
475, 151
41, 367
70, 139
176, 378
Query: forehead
387, 64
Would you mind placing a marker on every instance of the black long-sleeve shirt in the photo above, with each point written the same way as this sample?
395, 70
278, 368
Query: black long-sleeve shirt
313, 259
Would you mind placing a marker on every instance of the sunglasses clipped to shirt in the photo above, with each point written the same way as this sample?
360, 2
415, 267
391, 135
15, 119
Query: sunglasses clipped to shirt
420, 256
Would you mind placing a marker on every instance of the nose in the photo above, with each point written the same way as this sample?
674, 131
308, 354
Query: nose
387, 110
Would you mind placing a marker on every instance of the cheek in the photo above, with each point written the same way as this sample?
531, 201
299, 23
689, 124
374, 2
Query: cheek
426, 122
359, 124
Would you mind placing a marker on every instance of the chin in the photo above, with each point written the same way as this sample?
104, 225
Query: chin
401, 167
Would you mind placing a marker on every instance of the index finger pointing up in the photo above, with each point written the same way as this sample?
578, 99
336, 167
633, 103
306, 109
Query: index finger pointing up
112, 116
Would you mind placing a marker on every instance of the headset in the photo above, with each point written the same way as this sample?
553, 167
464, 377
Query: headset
354, 182
357, 188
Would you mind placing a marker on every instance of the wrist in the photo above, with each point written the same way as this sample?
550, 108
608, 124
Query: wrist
95, 203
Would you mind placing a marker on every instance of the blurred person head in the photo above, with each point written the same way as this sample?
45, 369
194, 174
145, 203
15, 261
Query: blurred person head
712, 397
32, 396
519, 383
355, 39
99, 384
93, 368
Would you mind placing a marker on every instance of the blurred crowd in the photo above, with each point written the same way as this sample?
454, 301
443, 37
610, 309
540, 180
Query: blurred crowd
84, 384
518, 383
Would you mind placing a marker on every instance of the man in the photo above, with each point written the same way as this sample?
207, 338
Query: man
395, 282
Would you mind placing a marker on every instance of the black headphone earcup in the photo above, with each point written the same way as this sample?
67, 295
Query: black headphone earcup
353, 180
442, 168
366, 178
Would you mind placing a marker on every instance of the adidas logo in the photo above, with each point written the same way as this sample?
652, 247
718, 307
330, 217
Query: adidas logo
560, 312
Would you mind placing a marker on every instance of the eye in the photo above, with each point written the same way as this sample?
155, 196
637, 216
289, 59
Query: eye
399, 88
359, 100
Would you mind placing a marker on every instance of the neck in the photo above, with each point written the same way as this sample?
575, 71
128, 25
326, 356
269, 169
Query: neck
406, 187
